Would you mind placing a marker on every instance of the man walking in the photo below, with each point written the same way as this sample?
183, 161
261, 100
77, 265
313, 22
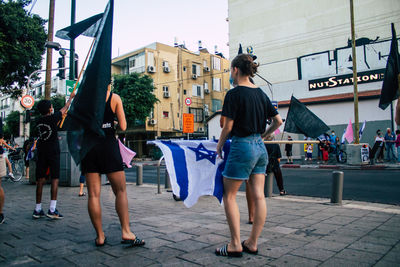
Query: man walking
389, 141
48, 152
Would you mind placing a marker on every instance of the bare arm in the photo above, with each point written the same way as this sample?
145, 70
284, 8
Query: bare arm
64, 109
119, 111
226, 129
276, 122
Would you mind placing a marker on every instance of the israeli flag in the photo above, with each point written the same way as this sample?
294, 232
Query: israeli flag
194, 168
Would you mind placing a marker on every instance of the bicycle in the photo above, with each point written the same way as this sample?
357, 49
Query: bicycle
16, 159
341, 157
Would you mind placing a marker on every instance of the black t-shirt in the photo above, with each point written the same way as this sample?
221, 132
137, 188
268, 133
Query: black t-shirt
249, 108
274, 151
288, 147
47, 131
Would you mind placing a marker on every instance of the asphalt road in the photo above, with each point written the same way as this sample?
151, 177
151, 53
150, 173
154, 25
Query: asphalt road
380, 186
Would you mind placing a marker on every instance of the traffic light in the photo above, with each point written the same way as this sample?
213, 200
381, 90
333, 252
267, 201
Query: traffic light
61, 66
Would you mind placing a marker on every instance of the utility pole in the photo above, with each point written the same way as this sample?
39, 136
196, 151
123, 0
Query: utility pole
72, 45
353, 49
49, 56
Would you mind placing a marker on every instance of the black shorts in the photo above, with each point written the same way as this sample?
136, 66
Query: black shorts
48, 159
103, 158
288, 153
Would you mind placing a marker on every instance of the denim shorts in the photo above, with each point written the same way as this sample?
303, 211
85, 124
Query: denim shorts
247, 156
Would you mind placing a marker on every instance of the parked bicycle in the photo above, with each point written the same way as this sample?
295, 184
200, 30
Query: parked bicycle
341, 157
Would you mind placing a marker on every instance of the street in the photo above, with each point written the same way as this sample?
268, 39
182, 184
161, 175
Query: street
380, 186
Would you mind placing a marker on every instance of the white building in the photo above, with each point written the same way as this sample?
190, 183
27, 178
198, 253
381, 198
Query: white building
303, 50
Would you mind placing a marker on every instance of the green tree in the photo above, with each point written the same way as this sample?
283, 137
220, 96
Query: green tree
11, 128
22, 39
136, 92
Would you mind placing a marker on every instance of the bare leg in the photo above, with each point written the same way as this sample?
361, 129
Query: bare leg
81, 189
93, 182
256, 184
1, 198
118, 184
39, 189
9, 165
27, 172
54, 188
231, 187
250, 203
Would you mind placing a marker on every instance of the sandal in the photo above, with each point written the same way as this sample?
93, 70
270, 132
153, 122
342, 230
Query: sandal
247, 250
137, 242
100, 245
283, 192
82, 195
223, 251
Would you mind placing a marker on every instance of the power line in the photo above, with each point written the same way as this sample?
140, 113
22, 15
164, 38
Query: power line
33, 5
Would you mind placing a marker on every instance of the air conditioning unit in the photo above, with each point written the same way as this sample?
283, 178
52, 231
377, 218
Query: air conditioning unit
151, 69
194, 76
152, 122
207, 69
200, 129
206, 91
166, 69
166, 94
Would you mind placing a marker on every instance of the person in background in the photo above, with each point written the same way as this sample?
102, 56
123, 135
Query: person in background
377, 149
389, 142
3, 172
288, 149
82, 180
332, 139
27, 147
338, 147
274, 159
309, 151
398, 145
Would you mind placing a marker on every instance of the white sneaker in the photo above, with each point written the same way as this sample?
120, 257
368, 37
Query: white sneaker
11, 175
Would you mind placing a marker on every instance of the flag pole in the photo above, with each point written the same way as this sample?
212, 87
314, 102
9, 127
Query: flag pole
80, 74
353, 49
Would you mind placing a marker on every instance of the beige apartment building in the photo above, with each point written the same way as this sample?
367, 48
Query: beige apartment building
185, 82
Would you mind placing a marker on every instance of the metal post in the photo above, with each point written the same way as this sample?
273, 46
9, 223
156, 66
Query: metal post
72, 45
158, 175
269, 183
167, 181
337, 187
49, 56
139, 174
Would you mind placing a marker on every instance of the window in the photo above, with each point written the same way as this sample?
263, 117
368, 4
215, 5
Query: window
136, 64
205, 63
217, 84
216, 105
196, 90
196, 69
132, 62
165, 64
165, 88
184, 91
198, 114
150, 59
216, 63
184, 68
165, 114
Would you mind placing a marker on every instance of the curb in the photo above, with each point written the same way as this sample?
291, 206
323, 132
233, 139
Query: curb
342, 167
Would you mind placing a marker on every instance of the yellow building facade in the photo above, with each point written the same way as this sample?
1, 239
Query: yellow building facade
185, 82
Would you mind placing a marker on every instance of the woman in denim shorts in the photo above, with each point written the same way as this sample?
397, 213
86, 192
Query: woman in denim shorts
246, 109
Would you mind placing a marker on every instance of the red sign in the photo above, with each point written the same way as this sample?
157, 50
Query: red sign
188, 123
27, 101
188, 101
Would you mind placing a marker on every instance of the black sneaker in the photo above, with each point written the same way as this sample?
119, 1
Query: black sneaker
1, 218
54, 215
38, 214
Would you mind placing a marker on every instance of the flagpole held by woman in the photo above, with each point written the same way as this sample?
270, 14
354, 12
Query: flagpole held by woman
246, 109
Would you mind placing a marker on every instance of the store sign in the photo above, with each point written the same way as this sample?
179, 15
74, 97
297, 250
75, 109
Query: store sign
69, 86
346, 80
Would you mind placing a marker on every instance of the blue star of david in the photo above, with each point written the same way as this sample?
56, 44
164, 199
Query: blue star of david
204, 153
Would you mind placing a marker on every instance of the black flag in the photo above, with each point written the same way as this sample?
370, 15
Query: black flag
390, 86
240, 51
302, 121
85, 117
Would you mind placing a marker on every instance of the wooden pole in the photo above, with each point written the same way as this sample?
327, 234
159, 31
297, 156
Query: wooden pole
49, 55
353, 49
80, 75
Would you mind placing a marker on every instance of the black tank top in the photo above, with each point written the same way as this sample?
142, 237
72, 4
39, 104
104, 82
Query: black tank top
108, 120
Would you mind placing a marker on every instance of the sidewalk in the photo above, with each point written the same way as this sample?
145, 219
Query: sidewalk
299, 231
332, 164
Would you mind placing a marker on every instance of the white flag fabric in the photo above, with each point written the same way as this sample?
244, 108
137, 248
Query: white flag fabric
194, 168
360, 132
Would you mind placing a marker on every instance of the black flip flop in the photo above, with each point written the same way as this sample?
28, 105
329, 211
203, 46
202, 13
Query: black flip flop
137, 242
223, 251
100, 245
247, 250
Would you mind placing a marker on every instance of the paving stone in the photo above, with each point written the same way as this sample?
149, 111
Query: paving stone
383, 263
177, 236
325, 244
174, 262
334, 262
359, 256
291, 260
314, 253
211, 239
155, 242
161, 253
90, 258
273, 251
130, 260
23, 260
188, 245
370, 247
393, 256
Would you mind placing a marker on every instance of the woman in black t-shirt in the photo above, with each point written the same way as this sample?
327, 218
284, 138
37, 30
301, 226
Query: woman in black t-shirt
246, 109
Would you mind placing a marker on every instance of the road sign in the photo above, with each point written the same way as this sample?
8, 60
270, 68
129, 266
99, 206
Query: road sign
188, 123
27, 101
188, 101
69, 86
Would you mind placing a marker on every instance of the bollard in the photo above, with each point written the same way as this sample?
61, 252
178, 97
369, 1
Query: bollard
269, 183
158, 175
337, 187
139, 174
167, 181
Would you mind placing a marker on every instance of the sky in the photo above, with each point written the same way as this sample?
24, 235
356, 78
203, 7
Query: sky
139, 23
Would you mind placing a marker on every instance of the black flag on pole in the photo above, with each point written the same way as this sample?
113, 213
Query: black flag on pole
240, 51
85, 117
390, 86
302, 121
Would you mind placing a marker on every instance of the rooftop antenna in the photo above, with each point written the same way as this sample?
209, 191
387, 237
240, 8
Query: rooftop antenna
216, 49
175, 41
200, 45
